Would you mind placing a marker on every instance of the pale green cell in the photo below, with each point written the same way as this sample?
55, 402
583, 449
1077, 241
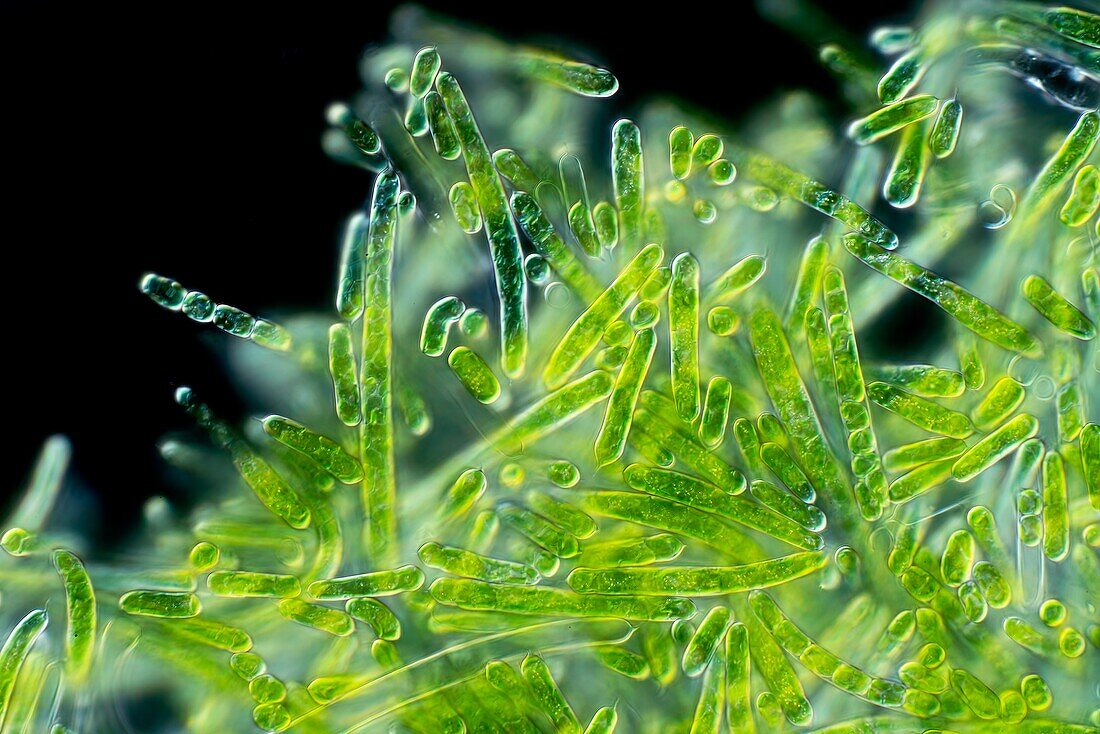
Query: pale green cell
721, 172
349, 292
958, 558
252, 584
374, 583
1056, 309
551, 413
342, 369
212, 633
80, 609
562, 514
683, 321
913, 455
776, 458
1071, 412
637, 552
474, 374
317, 617
1027, 637
945, 133
266, 688
712, 699
967, 309
922, 413
1074, 151
165, 604
551, 246
437, 324
716, 409
580, 78
538, 530
768, 658
270, 335
1001, 401
905, 178
247, 665
722, 321
425, 67
807, 283
925, 380
970, 362
606, 221
656, 285
994, 447
416, 117
978, 697
705, 642
461, 496
891, 118
1071, 643
741, 276
682, 444
603, 721
321, 449
628, 181
624, 662
444, 135
582, 337
1036, 693
14, 654
463, 202
707, 149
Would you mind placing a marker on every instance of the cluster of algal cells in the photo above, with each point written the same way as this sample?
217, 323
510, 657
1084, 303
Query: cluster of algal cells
610, 426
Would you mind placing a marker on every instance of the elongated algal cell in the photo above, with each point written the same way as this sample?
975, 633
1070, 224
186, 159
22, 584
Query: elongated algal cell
616, 418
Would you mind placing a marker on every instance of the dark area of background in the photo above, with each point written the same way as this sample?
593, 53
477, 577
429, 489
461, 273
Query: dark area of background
187, 142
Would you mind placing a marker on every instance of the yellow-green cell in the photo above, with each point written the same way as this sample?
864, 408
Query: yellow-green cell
474, 374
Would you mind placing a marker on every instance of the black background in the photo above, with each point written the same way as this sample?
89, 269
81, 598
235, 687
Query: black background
186, 141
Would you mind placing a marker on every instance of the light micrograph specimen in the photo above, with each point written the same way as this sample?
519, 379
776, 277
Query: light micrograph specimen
609, 426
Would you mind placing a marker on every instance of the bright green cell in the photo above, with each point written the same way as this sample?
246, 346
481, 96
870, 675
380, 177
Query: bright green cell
923, 413
341, 356
499, 227
722, 321
581, 338
315, 616
382, 621
323, 450
704, 643
461, 562
1084, 199
925, 380
995, 447
474, 374
247, 665
203, 556
912, 455
1056, 309
584, 229
553, 602
695, 580
958, 557
1002, 399
373, 583
1036, 693
976, 315
680, 142
716, 408
253, 584
1052, 612
721, 172
464, 206
1071, 417
1055, 508
1090, 461
891, 118
624, 662
683, 320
